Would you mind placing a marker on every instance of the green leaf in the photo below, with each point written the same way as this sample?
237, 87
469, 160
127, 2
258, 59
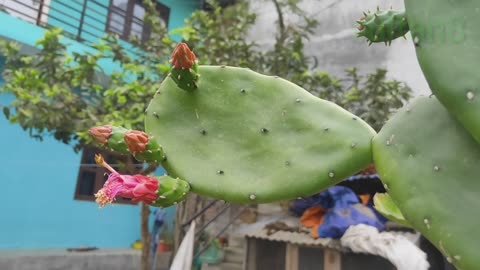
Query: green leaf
386, 206
6, 112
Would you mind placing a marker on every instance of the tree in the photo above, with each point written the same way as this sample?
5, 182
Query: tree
64, 95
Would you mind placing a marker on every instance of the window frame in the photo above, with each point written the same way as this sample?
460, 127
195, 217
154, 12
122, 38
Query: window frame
129, 18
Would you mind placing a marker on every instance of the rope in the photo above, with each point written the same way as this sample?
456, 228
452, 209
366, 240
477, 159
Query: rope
396, 248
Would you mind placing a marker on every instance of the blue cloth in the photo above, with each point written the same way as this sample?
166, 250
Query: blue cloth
339, 219
344, 209
327, 199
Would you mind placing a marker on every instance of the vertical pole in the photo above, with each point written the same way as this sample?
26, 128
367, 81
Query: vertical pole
40, 12
82, 18
332, 259
292, 260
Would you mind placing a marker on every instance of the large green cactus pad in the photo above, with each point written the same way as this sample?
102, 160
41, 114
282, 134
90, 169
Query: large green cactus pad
447, 39
249, 138
431, 167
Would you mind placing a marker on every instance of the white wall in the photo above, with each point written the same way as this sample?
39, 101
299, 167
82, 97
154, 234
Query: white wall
335, 43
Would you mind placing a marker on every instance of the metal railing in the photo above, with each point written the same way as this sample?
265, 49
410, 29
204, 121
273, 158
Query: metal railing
82, 20
234, 215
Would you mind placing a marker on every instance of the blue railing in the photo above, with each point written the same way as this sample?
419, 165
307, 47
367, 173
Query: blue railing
82, 20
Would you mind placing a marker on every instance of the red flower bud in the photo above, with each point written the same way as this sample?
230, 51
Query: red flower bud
183, 57
136, 141
101, 134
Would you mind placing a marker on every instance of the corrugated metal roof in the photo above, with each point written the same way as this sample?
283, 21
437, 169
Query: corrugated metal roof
257, 230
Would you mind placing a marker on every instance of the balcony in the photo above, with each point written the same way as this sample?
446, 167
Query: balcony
86, 20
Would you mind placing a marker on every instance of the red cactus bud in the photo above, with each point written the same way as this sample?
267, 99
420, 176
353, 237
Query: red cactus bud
183, 57
101, 134
136, 141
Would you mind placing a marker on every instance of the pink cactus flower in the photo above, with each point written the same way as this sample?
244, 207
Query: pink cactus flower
139, 188
183, 57
136, 141
101, 134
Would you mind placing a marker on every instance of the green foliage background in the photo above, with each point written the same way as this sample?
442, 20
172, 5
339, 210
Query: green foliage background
63, 94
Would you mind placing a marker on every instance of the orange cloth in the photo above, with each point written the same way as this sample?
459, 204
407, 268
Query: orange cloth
313, 218
365, 199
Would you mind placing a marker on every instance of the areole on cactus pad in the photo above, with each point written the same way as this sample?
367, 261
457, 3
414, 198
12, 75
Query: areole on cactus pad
249, 138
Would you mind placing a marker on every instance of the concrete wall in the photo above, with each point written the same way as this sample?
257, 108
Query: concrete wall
38, 179
335, 44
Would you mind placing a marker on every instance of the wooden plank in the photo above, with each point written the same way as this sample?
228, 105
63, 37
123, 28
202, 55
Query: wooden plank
332, 259
291, 260
251, 254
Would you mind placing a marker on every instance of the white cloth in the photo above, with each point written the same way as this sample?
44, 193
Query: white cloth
396, 248
184, 257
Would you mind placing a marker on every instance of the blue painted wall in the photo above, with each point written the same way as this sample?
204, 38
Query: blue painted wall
38, 179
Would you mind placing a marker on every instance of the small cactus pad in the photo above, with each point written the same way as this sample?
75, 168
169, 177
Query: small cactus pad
447, 37
430, 166
383, 26
248, 138
386, 206
171, 191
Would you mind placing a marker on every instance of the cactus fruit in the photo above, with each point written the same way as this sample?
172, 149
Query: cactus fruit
110, 137
184, 68
143, 147
249, 138
386, 206
382, 26
446, 36
171, 191
430, 166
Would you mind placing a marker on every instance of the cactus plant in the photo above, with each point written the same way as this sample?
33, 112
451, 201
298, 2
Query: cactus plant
382, 26
425, 157
157, 191
244, 137
446, 38
143, 147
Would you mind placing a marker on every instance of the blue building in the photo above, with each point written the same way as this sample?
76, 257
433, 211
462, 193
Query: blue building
47, 189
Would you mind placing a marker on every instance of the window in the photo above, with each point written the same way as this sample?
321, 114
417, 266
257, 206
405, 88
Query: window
92, 177
125, 18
